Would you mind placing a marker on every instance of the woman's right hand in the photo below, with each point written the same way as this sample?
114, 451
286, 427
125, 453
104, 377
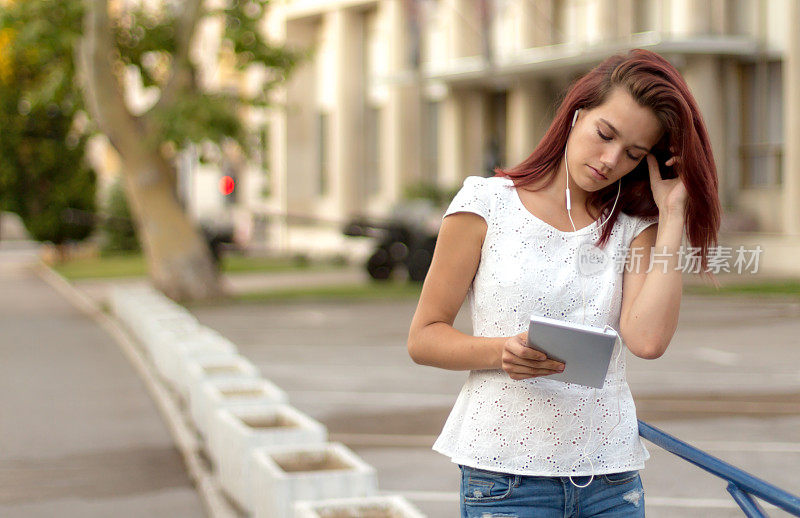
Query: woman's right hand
521, 362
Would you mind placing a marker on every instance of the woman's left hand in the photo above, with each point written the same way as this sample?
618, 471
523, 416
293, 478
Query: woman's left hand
670, 194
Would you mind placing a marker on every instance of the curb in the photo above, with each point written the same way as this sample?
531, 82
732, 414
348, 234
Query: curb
187, 443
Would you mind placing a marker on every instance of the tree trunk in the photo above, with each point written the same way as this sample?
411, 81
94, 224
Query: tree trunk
178, 257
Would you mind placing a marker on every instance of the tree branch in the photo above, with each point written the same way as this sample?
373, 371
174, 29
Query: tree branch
101, 89
182, 75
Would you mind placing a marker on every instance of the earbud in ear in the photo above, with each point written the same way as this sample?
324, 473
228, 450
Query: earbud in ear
575, 117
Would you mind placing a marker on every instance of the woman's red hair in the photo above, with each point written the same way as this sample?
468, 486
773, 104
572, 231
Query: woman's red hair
654, 83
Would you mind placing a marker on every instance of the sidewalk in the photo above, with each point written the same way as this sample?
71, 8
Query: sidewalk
80, 435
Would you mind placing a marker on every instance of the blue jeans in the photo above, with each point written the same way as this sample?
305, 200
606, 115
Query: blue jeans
500, 495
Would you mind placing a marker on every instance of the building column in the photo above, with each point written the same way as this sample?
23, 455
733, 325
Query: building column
346, 135
450, 138
291, 136
702, 74
463, 24
475, 141
601, 20
536, 27
527, 121
791, 145
730, 182
401, 138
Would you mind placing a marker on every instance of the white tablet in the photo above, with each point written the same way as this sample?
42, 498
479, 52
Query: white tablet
584, 350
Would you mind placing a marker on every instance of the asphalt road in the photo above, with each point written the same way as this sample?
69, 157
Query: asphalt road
79, 435
729, 383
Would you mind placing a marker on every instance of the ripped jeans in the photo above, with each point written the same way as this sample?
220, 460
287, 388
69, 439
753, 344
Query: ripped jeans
487, 494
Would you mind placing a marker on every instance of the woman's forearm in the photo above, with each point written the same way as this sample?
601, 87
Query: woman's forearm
653, 318
440, 345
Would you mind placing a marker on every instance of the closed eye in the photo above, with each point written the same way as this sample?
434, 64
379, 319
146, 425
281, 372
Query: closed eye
604, 137
608, 137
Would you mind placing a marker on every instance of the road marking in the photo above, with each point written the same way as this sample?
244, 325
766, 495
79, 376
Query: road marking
744, 446
426, 496
645, 403
716, 356
718, 406
421, 440
777, 447
681, 406
650, 501
372, 398
384, 440
697, 503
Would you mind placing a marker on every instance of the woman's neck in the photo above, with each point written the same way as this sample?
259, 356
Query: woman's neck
555, 191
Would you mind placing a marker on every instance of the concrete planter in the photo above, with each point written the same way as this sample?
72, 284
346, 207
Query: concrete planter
284, 475
211, 393
170, 355
123, 301
234, 433
146, 315
200, 367
131, 299
368, 507
154, 334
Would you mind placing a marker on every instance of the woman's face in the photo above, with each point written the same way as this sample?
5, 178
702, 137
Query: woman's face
610, 140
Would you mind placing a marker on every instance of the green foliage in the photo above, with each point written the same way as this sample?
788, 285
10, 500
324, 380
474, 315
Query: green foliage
119, 232
198, 117
49, 31
38, 42
42, 170
242, 19
147, 41
113, 265
43, 176
391, 290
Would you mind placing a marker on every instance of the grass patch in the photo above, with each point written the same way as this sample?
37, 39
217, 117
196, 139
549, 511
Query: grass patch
774, 288
133, 265
128, 265
370, 291
245, 264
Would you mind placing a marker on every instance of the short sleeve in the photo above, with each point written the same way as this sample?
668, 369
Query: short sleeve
641, 223
472, 197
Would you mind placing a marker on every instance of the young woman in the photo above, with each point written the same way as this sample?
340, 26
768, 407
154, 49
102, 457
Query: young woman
527, 445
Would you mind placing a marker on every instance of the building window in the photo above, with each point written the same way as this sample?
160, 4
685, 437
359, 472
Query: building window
323, 153
430, 142
263, 149
261, 157
761, 147
495, 147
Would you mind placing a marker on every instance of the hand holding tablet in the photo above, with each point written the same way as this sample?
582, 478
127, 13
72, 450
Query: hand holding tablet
521, 362
585, 350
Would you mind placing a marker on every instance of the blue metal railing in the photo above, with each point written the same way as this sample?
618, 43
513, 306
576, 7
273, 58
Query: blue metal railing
741, 485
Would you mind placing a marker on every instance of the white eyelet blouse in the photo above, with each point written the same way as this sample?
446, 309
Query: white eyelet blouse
539, 426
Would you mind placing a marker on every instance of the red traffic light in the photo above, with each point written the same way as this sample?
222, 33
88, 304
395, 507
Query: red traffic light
226, 185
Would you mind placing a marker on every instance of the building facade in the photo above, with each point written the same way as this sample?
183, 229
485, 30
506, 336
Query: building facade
398, 93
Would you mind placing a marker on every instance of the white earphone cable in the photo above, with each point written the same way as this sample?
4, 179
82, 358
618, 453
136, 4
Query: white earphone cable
584, 455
